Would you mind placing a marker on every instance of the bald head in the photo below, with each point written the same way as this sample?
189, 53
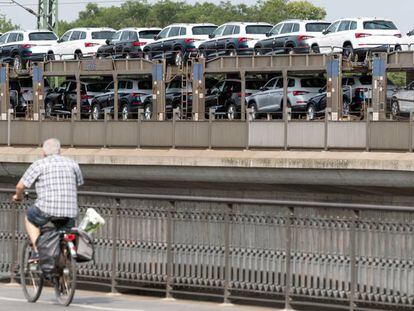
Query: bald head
51, 147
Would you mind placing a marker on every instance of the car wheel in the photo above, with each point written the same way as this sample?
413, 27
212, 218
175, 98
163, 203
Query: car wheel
289, 49
78, 55
231, 112
48, 109
50, 56
398, 48
258, 51
147, 112
96, 113
232, 51
348, 51
315, 49
311, 112
17, 62
253, 109
178, 58
125, 112
202, 53
395, 109
147, 55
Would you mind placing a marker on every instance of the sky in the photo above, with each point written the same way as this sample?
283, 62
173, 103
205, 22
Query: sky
397, 10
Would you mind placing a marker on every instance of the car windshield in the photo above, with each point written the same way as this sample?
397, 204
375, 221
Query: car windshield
313, 82
102, 35
316, 27
148, 34
203, 30
96, 87
40, 36
382, 25
258, 29
145, 85
116, 35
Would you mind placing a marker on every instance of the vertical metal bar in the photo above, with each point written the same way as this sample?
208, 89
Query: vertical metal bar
14, 245
114, 266
174, 120
39, 133
78, 96
10, 111
367, 142
72, 128
227, 268
105, 128
169, 249
285, 107
289, 224
243, 95
210, 130
140, 113
325, 140
352, 254
116, 101
247, 128
410, 134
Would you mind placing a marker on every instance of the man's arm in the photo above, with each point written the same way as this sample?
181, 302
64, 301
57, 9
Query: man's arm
19, 191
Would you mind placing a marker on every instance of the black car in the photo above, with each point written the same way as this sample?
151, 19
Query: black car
290, 37
178, 41
131, 96
19, 47
234, 38
316, 105
62, 99
225, 96
128, 42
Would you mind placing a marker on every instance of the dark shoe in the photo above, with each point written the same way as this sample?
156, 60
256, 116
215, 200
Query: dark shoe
34, 257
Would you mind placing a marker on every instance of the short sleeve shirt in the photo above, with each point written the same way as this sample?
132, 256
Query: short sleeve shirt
57, 179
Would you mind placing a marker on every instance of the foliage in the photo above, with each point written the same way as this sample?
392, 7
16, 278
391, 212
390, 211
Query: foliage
6, 24
398, 78
140, 13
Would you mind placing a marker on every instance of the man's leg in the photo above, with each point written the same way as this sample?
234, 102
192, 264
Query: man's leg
32, 231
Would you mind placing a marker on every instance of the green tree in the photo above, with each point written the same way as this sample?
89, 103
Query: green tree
6, 24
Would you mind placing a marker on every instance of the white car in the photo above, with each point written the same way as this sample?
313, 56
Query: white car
402, 101
361, 87
19, 47
177, 41
234, 38
358, 36
80, 42
407, 42
291, 36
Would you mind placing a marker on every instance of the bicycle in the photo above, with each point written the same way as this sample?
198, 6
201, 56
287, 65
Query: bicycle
64, 277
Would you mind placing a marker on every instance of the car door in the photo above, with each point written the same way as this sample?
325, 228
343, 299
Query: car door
61, 47
3, 40
172, 37
279, 41
123, 42
70, 96
262, 97
325, 41
73, 44
158, 45
224, 40
405, 98
210, 45
10, 45
339, 36
267, 44
276, 95
211, 98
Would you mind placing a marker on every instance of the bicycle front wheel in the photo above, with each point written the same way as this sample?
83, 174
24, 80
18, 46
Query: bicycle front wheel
31, 275
65, 281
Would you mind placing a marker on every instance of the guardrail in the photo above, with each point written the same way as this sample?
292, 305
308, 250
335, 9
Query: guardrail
327, 134
345, 256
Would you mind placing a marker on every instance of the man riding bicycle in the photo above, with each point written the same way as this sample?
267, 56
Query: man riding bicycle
57, 179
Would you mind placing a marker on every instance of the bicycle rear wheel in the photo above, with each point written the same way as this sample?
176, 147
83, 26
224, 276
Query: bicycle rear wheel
65, 282
31, 275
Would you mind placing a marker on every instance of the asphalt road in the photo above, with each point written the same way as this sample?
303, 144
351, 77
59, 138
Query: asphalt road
12, 299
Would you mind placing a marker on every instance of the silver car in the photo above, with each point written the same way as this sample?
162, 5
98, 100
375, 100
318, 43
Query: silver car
270, 97
402, 101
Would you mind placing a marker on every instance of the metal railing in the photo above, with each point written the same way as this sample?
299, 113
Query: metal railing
350, 256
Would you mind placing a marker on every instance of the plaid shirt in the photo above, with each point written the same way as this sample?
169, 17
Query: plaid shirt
57, 179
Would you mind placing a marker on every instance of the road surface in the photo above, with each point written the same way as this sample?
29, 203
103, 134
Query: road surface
12, 299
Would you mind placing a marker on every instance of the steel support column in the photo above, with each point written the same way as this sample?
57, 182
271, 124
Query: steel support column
38, 92
243, 95
379, 87
4, 91
334, 88
78, 97
116, 97
199, 88
158, 92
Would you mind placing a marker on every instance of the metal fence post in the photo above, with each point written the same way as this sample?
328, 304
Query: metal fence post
114, 267
410, 134
174, 121
367, 143
211, 116
168, 286
9, 116
106, 115
72, 128
327, 113
14, 245
289, 224
352, 252
227, 224
139, 124
286, 118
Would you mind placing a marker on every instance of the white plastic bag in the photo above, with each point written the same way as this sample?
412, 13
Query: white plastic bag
91, 222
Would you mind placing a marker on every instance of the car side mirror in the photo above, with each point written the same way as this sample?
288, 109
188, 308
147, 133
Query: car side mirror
211, 36
263, 88
320, 91
107, 41
156, 37
59, 41
268, 34
325, 32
